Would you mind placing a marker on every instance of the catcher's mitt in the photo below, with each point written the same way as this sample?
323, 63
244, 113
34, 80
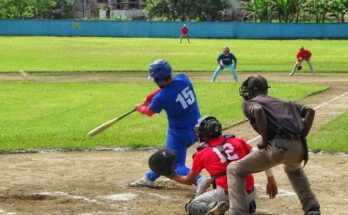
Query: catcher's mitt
299, 67
162, 162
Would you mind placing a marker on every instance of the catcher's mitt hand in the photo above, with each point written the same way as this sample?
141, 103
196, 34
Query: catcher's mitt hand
299, 67
162, 162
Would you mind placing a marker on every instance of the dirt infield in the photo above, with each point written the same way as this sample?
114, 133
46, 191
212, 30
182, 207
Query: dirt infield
95, 183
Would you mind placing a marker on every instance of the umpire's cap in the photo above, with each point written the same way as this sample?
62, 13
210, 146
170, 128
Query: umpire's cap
159, 70
253, 86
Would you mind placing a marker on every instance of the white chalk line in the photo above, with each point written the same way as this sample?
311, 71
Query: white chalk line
281, 192
4, 212
101, 200
332, 100
156, 195
317, 107
68, 196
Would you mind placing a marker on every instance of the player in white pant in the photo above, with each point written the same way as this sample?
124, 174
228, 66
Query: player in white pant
302, 55
214, 154
226, 60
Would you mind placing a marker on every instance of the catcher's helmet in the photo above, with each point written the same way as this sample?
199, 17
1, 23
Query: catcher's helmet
253, 86
159, 70
207, 128
162, 162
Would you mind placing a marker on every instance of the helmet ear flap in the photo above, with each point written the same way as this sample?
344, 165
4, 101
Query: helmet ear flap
244, 90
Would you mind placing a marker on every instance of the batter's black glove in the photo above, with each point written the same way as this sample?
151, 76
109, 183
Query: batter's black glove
162, 162
299, 67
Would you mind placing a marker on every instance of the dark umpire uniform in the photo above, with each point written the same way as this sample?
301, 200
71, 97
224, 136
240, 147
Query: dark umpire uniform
283, 127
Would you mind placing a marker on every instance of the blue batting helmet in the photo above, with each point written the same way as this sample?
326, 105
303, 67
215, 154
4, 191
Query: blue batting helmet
160, 70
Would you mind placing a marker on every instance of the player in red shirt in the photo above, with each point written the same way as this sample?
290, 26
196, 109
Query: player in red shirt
214, 154
184, 33
302, 55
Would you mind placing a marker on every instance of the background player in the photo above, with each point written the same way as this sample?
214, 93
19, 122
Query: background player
226, 60
177, 98
283, 127
215, 152
184, 33
302, 55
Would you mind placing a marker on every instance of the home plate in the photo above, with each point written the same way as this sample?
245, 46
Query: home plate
280, 193
119, 197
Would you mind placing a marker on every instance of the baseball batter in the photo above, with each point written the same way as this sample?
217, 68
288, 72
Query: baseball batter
214, 153
283, 127
177, 98
226, 60
302, 55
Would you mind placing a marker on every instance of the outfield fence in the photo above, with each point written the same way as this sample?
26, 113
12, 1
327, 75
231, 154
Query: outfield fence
104, 28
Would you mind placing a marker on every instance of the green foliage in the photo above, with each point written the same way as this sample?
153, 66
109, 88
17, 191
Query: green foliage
290, 10
185, 10
259, 10
338, 8
64, 9
88, 54
59, 115
332, 137
20, 9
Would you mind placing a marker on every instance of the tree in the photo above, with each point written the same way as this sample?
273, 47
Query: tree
286, 9
63, 9
185, 10
21, 9
339, 8
260, 10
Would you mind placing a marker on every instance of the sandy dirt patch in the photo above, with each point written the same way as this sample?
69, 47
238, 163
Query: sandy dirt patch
89, 183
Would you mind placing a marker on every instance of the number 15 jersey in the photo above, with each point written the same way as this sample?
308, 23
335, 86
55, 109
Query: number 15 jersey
178, 100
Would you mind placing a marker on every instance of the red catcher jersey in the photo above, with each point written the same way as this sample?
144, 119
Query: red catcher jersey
211, 159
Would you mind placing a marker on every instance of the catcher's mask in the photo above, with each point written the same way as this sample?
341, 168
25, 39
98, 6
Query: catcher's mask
253, 86
162, 161
207, 128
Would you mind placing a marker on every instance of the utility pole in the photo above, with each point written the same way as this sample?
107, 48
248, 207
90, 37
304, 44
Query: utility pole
84, 8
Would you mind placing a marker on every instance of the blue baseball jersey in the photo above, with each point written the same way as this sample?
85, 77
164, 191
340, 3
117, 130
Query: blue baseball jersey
178, 100
227, 60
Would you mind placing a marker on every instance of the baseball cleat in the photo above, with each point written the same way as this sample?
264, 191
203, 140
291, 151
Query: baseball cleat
313, 211
142, 182
202, 185
219, 209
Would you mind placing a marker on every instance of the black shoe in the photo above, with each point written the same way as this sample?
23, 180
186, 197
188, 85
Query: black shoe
252, 207
313, 211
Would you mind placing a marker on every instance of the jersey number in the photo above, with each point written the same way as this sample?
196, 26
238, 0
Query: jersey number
228, 148
186, 97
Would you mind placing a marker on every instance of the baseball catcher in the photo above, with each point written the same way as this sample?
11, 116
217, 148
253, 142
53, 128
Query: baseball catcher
214, 153
162, 162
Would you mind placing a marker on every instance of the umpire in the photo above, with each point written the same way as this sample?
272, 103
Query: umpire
283, 127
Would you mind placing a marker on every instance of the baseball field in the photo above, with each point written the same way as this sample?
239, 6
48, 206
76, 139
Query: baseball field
53, 90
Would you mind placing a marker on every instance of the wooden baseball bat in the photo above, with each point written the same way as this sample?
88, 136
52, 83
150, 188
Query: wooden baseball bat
108, 124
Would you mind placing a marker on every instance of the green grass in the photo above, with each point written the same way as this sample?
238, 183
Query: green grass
332, 137
56, 54
59, 115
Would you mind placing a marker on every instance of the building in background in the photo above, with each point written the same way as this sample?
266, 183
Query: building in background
109, 9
